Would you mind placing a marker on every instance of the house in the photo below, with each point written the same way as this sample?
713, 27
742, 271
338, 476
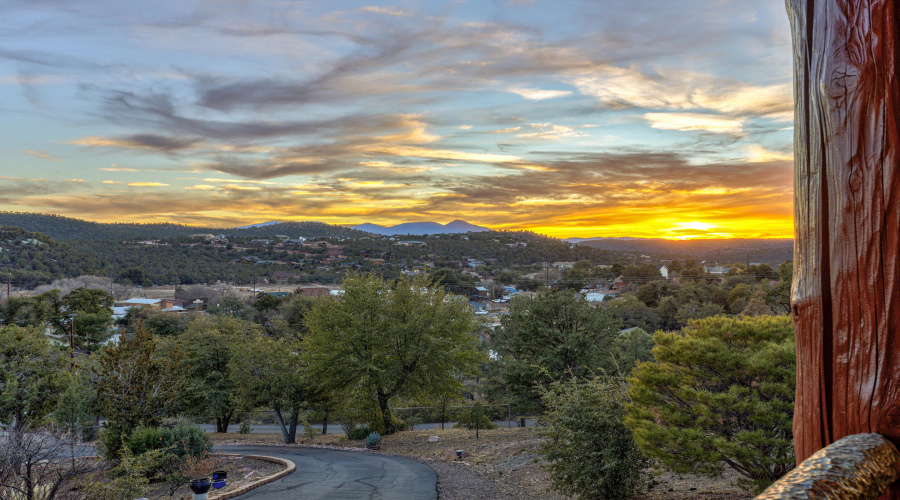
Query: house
664, 271
411, 243
600, 296
618, 283
564, 265
477, 306
482, 291
294, 242
261, 242
518, 244
475, 263
151, 303
717, 269
277, 295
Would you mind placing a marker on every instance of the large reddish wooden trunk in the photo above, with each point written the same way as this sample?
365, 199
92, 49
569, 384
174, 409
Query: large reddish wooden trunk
846, 294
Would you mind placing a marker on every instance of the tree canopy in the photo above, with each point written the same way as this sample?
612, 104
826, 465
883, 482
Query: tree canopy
385, 339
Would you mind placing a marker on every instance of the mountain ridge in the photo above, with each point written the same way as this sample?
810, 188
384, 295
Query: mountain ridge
422, 228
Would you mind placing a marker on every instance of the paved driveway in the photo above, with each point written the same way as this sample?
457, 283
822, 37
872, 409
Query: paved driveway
334, 474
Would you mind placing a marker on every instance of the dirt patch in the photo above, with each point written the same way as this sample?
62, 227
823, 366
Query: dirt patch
241, 471
503, 464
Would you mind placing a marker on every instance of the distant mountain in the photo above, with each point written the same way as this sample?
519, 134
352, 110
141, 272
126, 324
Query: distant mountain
421, 228
262, 224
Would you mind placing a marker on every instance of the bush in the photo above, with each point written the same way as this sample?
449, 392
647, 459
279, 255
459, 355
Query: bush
359, 433
182, 440
588, 450
144, 439
245, 427
720, 392
186, 440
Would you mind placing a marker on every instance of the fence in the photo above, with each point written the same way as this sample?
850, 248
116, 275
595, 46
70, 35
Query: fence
417, 417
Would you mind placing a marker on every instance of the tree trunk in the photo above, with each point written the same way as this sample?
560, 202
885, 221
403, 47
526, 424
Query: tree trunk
289, 429
846, 288
325, 424
223, 422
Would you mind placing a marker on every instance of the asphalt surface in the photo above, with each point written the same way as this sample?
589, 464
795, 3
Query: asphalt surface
336, 475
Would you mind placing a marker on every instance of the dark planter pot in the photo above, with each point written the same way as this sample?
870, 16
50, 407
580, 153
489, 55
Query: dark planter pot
219, 474
218, 483
373, 447
200, 486
459, 453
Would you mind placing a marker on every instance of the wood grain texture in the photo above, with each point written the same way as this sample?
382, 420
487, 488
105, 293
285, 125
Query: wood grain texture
846, 301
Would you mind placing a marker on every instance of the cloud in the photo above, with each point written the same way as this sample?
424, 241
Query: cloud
689, 122
539, 95
138, 141
386, 11
111, 182
758, 154
74, 180
551, 131
43, 155
118, 169
147, 184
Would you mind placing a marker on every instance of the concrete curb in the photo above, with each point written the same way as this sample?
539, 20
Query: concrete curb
291, 467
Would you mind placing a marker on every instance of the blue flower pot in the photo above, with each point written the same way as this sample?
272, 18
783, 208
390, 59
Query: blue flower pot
219, 474
200, 486
219, 483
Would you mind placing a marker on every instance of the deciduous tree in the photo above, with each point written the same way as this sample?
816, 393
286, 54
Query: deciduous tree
385, 339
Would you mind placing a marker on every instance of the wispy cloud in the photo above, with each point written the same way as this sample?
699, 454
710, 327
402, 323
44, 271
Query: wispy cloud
42, 155
688, 122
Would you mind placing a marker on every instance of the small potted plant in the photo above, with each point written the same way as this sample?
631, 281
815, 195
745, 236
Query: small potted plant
200, 488
373, 440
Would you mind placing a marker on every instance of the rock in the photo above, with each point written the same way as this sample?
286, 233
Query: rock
464, 455
433, 439
449, 456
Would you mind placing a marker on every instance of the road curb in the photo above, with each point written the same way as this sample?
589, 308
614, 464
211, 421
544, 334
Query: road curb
291, 467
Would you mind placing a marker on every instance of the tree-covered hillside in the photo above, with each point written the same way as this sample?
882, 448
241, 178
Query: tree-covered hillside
62, 228
29, 259
772, 251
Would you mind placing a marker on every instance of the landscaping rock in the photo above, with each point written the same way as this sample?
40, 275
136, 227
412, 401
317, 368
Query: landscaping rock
433, 439
449, 456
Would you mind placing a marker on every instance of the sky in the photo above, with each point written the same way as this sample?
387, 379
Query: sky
593, 118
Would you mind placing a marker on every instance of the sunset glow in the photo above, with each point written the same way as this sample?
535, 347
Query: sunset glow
570, 118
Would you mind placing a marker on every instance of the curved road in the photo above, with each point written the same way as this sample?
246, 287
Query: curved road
334, 474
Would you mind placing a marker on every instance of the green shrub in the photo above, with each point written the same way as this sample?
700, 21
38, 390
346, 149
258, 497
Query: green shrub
720, 392
359, 433
144, 439
245, 427
186, 440
588, 450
